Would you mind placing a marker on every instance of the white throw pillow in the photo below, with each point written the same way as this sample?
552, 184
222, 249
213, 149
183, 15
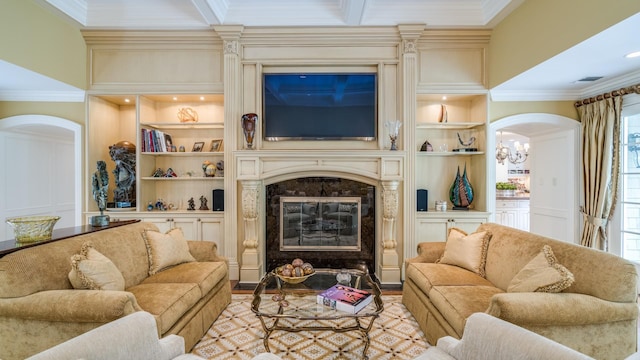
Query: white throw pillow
166, 250
92, 270
466, 251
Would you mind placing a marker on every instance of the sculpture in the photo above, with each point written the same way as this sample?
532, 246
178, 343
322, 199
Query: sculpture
249, 128
461, 192
203, 203
123, 154
192, 205
100, 184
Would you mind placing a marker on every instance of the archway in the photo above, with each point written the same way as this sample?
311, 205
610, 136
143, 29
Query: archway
18, 133
561, 132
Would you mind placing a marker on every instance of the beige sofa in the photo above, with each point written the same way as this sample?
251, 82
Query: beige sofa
40, 308
597, 315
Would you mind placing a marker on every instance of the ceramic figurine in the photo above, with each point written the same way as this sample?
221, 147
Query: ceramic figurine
249, 128
203, 203
192, 205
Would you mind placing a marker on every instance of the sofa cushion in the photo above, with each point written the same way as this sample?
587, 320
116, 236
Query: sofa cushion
205, 274
92, 270
428, 275
457, 303
542, 274
168, 302
468, 251
166, 250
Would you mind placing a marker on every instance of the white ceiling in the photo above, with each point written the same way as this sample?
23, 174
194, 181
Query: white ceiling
554, 79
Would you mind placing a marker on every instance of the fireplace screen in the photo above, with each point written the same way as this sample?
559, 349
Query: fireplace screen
320, 223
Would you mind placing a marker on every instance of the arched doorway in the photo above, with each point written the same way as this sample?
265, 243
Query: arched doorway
43, 169
555, 171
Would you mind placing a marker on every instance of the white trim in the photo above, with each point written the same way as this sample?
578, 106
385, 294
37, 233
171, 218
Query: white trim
552, 123
16, 122
39, 95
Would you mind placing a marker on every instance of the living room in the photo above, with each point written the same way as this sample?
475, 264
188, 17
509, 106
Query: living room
97, 69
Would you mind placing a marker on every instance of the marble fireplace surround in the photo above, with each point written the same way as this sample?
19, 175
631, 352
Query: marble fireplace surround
259, 168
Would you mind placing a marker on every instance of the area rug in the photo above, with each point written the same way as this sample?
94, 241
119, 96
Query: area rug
237, 334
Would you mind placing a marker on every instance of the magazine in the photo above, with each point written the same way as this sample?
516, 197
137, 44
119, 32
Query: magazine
345, 298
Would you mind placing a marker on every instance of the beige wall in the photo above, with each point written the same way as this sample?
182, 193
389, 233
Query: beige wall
499, 110
35, 39
70, 111
540, 29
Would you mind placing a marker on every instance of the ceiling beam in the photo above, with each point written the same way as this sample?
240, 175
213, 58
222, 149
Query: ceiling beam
353, 11
213, 11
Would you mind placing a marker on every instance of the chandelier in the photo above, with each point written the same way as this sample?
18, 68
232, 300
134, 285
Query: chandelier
517, 156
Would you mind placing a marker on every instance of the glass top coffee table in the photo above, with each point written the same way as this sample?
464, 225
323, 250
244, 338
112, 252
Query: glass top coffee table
293, 307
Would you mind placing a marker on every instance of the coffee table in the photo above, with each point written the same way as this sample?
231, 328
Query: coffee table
302, 313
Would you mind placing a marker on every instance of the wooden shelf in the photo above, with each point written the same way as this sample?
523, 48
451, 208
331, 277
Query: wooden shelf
448, 153
184, 126
182, 178
185, 154
449, 125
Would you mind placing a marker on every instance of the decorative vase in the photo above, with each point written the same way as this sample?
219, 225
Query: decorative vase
393, 126
461, 192
249, 128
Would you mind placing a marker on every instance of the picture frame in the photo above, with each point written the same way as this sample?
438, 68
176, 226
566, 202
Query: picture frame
216, 145
197, 146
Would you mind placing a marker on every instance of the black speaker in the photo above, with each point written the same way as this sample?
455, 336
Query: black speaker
423, 199
218, 200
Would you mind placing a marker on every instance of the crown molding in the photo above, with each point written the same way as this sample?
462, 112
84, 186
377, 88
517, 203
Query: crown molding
42, 96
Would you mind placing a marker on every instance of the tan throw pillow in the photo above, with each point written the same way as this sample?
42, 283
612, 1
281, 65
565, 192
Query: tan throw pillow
92, 270
542, 274
166, 250
466, 251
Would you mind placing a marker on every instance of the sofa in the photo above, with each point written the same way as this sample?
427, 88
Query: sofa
134, 336
579, 297
58, 290
489, 338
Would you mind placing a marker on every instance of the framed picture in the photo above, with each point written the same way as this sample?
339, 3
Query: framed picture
216, 145
197, 147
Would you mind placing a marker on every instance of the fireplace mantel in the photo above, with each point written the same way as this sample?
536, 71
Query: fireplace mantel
257, 168
372, 165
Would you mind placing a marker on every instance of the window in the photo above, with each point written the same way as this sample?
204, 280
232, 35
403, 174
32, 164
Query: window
625, 238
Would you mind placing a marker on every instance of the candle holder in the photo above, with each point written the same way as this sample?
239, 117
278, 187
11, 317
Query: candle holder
393, 126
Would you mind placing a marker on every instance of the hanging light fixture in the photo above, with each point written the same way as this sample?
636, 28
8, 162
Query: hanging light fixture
515, 157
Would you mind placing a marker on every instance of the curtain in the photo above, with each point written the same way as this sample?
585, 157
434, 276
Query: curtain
601, 167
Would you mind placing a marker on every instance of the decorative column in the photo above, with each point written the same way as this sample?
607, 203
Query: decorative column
230, 35
251, 270
390, 269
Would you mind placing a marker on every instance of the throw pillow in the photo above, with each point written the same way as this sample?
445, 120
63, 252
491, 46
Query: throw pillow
467, 251
542, 274
92, 270
166, 250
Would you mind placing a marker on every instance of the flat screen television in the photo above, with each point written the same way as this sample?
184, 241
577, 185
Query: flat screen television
319, 106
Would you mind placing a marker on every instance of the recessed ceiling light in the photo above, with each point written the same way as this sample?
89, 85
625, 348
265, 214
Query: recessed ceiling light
633, 55
444, 97
175, 98
127, 100
202, 98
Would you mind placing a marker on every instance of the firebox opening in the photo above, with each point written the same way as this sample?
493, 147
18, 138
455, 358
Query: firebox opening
328, 222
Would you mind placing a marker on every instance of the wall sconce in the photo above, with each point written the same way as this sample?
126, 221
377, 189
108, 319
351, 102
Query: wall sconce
515, 157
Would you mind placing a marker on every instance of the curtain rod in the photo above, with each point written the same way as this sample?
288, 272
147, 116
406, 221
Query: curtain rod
626, 90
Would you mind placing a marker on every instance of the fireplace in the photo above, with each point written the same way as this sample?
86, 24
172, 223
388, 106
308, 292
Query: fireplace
328, 222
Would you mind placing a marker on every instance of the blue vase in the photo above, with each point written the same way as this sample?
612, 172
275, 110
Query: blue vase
461, 192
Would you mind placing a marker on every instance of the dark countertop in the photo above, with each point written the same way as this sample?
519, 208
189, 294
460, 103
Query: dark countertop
10, 246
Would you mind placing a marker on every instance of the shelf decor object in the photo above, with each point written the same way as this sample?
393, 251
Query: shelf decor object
249, 128
187, 115
461, 192
444, 116
393, 126
31, 229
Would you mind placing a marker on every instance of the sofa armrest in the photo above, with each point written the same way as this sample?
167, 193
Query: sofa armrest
541, 309
428, 252
205, 251
98, 306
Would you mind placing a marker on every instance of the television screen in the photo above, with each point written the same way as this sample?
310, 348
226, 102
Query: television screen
319, 106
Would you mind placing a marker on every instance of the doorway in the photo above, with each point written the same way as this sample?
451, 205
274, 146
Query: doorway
554, 172
43, 163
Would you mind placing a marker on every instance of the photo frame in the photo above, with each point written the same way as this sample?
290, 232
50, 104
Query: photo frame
197, 146
216, 145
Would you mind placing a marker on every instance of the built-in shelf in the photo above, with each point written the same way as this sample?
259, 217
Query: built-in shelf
181, 178
449, 125
185, 154
448, 153
179, 126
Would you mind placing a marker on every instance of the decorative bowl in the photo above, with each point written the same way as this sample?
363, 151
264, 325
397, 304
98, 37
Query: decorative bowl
293, 279
30, 229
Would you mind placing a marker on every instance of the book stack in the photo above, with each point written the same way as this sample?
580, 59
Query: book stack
155, 141
345, 298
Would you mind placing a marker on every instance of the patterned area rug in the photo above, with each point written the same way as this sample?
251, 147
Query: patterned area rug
237, 334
